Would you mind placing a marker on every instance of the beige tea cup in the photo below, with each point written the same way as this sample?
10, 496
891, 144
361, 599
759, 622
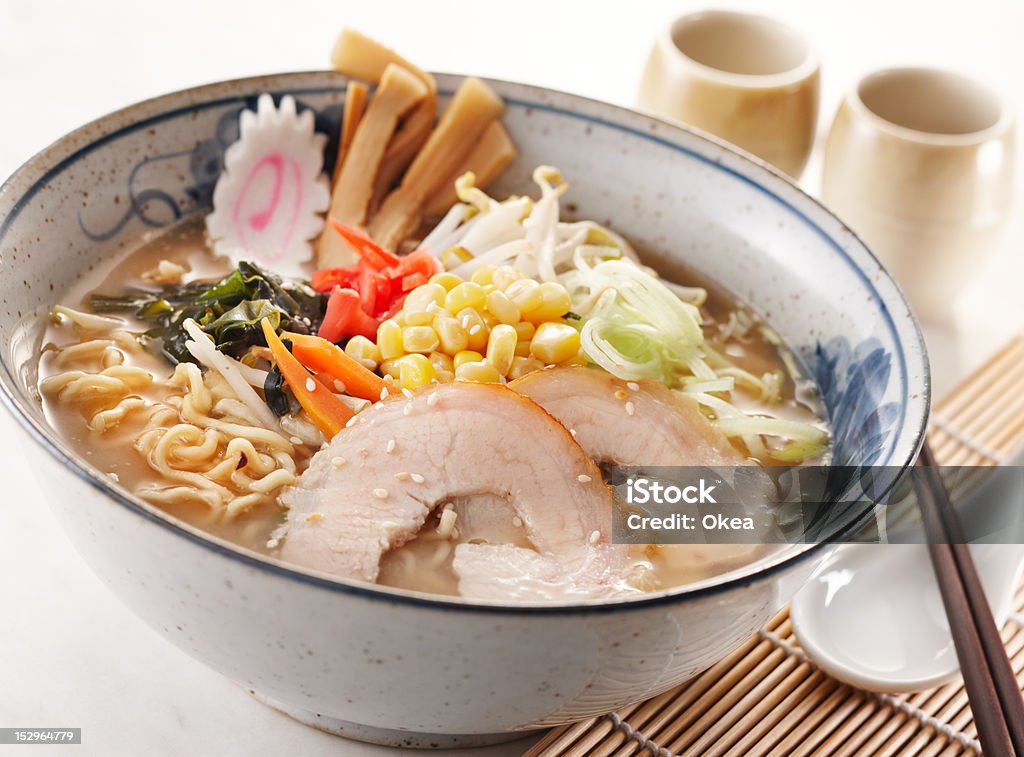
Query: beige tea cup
745, 78
919, 163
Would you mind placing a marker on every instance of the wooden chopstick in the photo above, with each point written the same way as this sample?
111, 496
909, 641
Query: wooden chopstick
988, 677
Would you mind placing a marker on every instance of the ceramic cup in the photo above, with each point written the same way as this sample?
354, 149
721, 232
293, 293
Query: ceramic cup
919, 162
748, 79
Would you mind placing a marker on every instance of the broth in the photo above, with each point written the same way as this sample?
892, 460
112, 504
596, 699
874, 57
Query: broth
425, 562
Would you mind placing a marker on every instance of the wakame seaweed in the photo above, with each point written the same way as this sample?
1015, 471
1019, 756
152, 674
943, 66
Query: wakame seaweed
275, 393
229, 310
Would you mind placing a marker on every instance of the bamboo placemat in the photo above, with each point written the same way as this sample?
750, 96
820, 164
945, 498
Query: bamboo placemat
768, 698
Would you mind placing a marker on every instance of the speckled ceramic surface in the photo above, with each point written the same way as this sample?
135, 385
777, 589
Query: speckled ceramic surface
387, 665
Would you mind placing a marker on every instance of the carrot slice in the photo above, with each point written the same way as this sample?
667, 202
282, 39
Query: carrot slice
324, 357
325, 410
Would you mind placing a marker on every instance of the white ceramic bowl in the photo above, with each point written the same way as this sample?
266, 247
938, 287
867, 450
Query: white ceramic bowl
392, 666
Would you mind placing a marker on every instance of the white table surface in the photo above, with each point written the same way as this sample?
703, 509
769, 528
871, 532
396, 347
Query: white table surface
70, 654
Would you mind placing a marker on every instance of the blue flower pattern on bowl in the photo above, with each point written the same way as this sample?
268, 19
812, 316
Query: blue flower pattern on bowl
852, 382
157, 208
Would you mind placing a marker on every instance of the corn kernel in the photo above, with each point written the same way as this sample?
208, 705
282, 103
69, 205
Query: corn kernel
524, 330
555, 342
580, 358
523, 348
447, 280
468, 294
501, 347
490, 320
452, 336
478, 371
526, 294
554, 303
419, 307
523, 365
442, 362
502, 307
453, 257
504, 275
389, 340
476, 328
422, 339
390, 368
415, 370
466, 356
363, 351
483, 274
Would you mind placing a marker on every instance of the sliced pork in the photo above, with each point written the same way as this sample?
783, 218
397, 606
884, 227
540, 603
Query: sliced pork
507, 572
628, 423
372, 487
645, 424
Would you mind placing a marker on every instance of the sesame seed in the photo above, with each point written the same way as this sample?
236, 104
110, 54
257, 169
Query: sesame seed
407, 410
314, 517
633, 386
388, 378
432, 400
583, 478
339, 386
630, 408
337, 462
402, 476
310, 385
620, 394
114, 476
380, 493
272, 543
417, 478
407, 393
595, 537
295, 440
573, 432
475, 330
446, 524
351, 421
517, 521
390, 446
384, 393
466, 320
378, 405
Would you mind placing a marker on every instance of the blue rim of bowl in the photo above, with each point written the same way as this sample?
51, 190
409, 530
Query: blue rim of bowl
732, 580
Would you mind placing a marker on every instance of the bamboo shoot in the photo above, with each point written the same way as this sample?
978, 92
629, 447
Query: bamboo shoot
360, 57
399, 91
489, 157
470, 112
355, 106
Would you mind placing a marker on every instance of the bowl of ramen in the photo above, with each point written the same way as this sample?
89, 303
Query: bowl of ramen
327, 371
